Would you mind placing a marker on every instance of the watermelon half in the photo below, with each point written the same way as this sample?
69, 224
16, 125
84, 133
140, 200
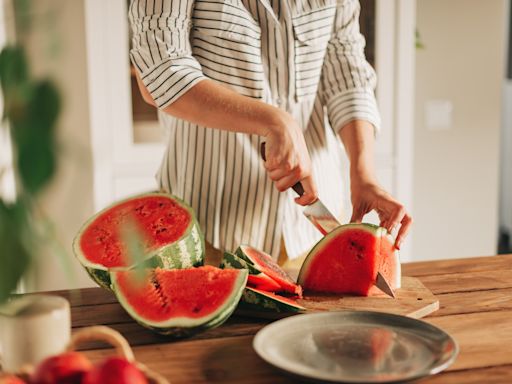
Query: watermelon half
347, 261
167, 226
179, 302
269, 271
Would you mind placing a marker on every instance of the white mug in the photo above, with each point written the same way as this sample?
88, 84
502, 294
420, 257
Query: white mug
32, 327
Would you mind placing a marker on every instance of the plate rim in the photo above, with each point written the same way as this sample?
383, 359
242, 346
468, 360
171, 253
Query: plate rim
432, 371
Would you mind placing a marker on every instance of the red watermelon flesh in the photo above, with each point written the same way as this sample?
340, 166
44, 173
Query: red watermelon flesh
263, 282
267, 266
161, 221
347, 261
162, 295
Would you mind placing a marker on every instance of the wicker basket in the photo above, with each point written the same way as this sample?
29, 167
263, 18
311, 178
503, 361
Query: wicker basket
109, 336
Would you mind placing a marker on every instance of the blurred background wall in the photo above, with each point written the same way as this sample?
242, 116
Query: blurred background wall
57, 47
456, 162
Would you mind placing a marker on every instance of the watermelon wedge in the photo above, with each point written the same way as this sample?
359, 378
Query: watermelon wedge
256, 279
179, 302
347, 261
268, 269
258, 300
169, 230
263, 293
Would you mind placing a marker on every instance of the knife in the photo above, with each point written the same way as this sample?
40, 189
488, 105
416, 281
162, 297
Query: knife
318, 214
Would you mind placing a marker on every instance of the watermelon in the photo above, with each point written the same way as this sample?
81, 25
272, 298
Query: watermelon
256, 279
167, 227
268, 270
347, 261
262, 301
179, 302
259, 295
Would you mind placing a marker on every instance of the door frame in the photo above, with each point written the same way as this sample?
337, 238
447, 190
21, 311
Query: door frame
395, 64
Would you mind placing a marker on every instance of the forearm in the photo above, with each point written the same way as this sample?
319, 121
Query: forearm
212, 105
359, 141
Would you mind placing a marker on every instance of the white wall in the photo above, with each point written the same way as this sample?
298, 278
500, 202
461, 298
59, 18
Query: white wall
456, 170
57, 47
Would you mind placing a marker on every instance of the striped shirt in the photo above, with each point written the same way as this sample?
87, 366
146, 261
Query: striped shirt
305, 56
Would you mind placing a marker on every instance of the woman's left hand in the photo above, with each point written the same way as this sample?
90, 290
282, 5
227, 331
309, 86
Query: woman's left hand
368, 195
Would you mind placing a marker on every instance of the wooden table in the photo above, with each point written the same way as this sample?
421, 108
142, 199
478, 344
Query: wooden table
476, 309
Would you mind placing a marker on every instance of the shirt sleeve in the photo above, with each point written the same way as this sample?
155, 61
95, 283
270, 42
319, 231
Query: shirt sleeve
348, 81
161, 51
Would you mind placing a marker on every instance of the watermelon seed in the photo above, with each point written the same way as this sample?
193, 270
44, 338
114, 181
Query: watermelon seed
158, 290
196, 309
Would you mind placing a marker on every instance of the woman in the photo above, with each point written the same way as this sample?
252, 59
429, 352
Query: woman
230, 75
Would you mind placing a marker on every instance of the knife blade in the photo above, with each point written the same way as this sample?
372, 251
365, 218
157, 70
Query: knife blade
321, 217
323, 220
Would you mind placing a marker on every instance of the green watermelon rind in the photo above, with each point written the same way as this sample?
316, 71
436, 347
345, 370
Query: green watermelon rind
253, 300
186, 252
375, 230
232, 261
183, 327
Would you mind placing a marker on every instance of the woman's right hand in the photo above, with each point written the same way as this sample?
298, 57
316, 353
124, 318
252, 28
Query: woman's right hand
287, 158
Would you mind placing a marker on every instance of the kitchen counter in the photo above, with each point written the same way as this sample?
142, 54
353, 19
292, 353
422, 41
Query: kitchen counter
475, 308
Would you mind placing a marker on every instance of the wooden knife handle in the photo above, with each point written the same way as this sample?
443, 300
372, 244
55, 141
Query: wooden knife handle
297, 187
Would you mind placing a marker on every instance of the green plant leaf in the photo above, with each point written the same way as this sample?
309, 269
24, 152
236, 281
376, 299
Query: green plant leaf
33, 132
13, 67
14, 257
36, 162
44, 106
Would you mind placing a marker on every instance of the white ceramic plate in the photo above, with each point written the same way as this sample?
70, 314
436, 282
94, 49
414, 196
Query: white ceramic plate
355, 347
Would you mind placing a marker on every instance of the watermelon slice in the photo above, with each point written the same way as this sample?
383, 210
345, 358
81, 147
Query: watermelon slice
258, 300
347, 261
168, 227
269, 269
256, 279
179, 302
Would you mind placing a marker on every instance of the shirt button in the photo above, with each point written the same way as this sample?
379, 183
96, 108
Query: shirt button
279, 101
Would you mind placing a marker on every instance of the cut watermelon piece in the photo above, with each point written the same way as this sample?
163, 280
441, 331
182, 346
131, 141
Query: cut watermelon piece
263, 282
347, 261
179, 302
168, 227
267, 267
258, 300
256, 279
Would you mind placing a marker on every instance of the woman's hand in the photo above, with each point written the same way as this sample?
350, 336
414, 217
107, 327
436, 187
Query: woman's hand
368, 195
287, 158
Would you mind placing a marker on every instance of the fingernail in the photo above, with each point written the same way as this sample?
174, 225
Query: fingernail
398, 245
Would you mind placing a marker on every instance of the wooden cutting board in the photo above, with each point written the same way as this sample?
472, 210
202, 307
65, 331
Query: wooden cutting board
413, 300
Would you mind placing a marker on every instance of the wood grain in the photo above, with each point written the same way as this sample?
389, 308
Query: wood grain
490, 375
475, 264
413, 300
468, 282
485, 338
226, 360
474, 301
